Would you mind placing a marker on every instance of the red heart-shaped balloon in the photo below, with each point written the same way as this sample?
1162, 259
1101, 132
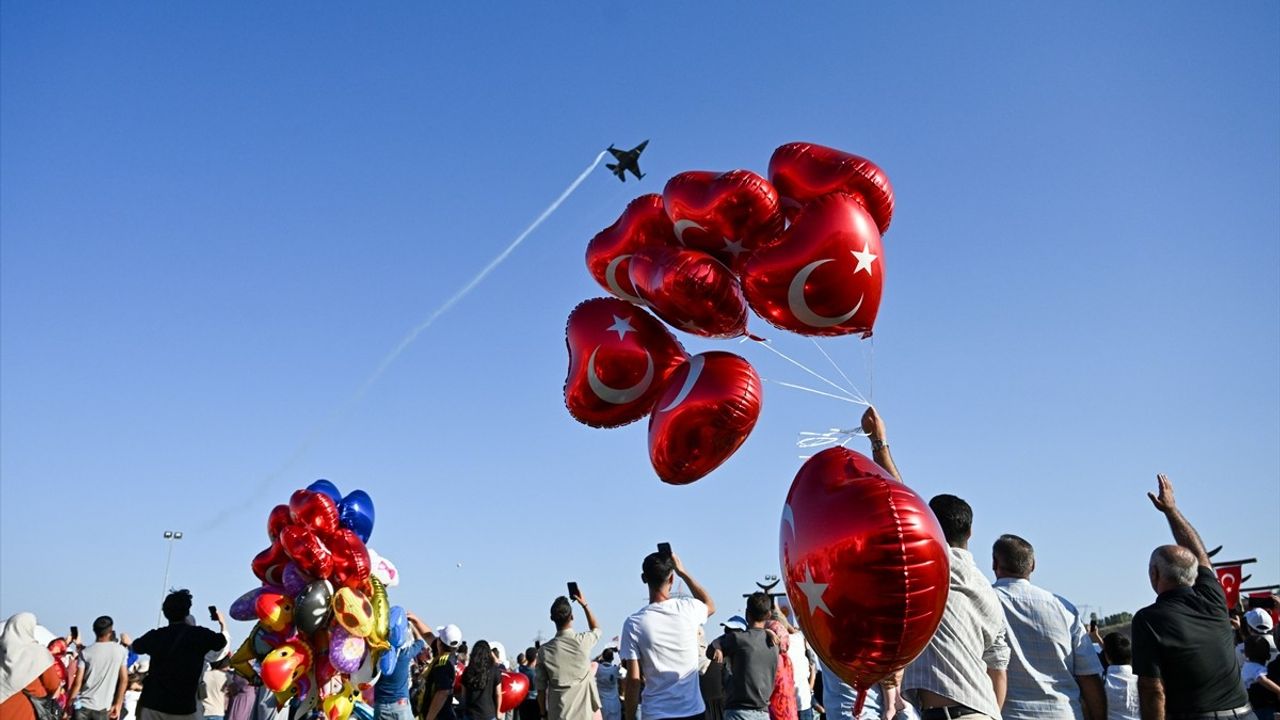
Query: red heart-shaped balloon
619, 360
725, 214
706, 412
515, 687
804, 171
825, 275
277, 520
866, 565
691, 290
268, 565
350, 558
306, 549
642, 224
315, 510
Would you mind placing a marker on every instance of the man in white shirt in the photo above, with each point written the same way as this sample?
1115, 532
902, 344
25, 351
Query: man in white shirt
1121, 684
660, 644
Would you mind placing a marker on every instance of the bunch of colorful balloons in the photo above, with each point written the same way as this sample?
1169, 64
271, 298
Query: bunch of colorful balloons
325, 630
802, 249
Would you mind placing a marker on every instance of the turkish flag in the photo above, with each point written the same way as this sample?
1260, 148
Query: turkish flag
1275, 611
1229, 576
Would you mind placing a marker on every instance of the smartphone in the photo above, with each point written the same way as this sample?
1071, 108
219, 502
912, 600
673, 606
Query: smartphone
573, 590
213, 613
664, 549
75, 633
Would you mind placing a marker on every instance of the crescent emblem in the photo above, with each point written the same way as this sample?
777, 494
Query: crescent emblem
789, 518
617, 396
682, 225
611, 279
800, 307
695, 369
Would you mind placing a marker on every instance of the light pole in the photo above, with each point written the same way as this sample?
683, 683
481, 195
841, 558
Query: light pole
171, 536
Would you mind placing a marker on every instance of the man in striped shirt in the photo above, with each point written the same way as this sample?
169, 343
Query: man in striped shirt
1052, 666
962, 671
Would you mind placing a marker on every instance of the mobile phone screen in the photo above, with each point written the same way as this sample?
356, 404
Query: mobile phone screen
75, 633
213, 613
573, 590
664, 549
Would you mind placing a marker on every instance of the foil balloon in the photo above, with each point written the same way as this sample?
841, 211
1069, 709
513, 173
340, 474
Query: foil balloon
381, 615
368, 672
383, 569
241, 661
311, 609
346, 651
825, 275
398, 633
703, 416
339, 705
515, 686
314, 510
282, 667
802, 172
274, 610
387, 660
353, 611
620, 358
350, 558
301, 689
277, 520
269, 564
294, 579
690, 290
726, 214
643, 224
307, 550
865, 564
243, 608
355, 513
327, 488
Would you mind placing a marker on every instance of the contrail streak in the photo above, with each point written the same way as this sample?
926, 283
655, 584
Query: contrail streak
404, 343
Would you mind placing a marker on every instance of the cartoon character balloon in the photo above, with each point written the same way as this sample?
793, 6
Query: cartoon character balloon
865, 564
311, 609
353, 611
282, 667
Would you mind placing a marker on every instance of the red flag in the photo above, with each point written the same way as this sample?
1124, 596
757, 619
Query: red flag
1275, 611
1229, 576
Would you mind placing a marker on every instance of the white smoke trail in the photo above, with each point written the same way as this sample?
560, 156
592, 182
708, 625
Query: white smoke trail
404, 343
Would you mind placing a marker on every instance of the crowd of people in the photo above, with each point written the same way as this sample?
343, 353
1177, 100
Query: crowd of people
1007, 651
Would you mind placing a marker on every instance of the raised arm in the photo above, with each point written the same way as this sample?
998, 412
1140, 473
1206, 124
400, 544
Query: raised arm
586, 610
873, 426
1183, 533
697, 590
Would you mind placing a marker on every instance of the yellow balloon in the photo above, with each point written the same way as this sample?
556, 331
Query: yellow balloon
381, 615
339, 705
353, 611
242, 661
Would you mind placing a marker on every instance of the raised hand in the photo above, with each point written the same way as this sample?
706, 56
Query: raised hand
1164, 501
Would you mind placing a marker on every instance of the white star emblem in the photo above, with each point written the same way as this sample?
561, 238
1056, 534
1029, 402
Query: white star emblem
622, 326
734, 247
865, 258
813, 592
690, 325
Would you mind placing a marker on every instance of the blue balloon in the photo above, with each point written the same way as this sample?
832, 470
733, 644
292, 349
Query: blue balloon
398, 631
387, 663
326, 487
355, 513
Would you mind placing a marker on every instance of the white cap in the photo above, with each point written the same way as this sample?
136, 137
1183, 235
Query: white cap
450, 635
1258, 620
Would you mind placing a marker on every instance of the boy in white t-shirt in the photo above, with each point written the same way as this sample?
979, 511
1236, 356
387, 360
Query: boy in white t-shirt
659, 642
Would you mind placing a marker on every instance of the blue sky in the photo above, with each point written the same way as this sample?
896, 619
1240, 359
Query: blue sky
216, 220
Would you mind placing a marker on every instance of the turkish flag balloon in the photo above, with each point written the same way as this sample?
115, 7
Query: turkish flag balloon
725, 214
350, 558
804, 171
269, 564
515, 687
704, 415
277, 520
619, 360
315, 510
691, 290
865, 564
825, 275
643, 224
306, 548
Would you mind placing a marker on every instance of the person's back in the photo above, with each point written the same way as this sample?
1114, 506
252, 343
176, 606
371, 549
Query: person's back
754, 661
565, 685
213, 696
1121, 684
177, 660
103, 678
391, 692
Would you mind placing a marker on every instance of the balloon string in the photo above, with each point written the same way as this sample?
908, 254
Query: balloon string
852, 387
871, 371
823, 393
769, 346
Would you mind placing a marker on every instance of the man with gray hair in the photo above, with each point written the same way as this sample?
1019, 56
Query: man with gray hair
1183, 643
1053, 670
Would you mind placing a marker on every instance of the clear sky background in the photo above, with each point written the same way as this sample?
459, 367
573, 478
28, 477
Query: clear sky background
218, 218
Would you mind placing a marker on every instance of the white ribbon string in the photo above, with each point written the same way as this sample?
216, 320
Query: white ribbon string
852, 387
823, 393
769, 346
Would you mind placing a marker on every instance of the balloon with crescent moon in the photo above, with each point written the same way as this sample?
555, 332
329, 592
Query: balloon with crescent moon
690, 290
803, 172
725, 214
643, 224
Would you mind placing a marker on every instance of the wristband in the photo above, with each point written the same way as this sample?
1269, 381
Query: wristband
877, 444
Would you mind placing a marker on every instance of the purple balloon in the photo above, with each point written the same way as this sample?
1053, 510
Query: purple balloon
294, 579
243, 609
346, 651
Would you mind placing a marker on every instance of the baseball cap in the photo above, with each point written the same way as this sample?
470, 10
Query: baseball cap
450, 635
737, 622
1258, 620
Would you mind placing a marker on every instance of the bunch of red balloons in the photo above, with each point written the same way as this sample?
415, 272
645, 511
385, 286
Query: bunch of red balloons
801, 248
324, 626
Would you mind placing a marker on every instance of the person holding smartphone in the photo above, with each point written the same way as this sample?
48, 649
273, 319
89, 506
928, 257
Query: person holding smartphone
562, 673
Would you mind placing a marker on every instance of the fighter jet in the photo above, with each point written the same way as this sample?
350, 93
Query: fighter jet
627, 160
